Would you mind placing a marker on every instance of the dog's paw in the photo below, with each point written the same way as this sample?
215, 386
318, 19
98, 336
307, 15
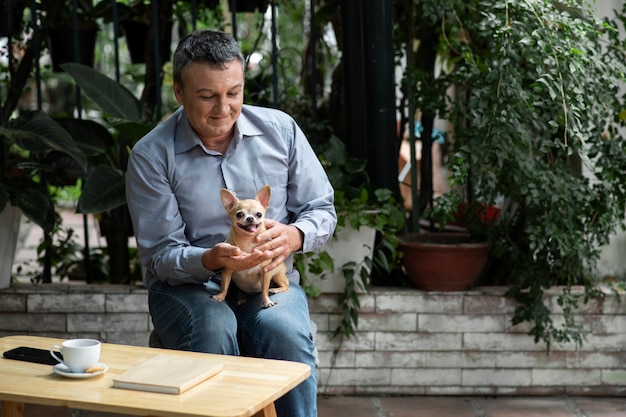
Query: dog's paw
219, 297
268, 303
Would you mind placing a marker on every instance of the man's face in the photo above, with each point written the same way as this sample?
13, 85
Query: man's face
212, 98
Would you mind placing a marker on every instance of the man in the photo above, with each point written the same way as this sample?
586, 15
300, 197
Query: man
173, 180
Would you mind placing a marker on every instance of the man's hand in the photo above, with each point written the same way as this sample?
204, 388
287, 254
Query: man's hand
278, 242
225, 255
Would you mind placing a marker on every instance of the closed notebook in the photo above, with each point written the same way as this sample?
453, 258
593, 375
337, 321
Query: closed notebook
168, 374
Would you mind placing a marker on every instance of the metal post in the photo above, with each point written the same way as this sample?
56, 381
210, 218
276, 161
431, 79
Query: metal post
354, 79
275, 99
232, 5
382, 146
157, 58
313, 58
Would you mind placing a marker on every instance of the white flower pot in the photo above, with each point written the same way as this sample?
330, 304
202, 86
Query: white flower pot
349, 245
9, 229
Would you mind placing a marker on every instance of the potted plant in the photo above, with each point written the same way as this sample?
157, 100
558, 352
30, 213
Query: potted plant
135, 19
32, 147
66, 258
64, 21
365, 240
104, 188
453, 251
536, 109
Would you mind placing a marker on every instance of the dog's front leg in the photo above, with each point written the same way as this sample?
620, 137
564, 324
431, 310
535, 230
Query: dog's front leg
266, 279
226, 276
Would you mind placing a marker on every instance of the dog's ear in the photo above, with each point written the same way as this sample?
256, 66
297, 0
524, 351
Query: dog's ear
263, 196
228, 199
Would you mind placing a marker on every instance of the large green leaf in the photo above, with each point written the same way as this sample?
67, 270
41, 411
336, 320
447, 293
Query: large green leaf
104, 190
91, 138
33, 200
112, 97
60, 169
37, 132
131, 130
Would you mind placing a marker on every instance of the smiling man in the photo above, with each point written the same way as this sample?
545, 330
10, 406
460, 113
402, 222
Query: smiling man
173, 184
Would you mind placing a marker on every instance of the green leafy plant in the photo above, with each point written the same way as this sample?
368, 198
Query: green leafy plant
357, 206
58, 13
104, 187
538, 118
66, 258
33, 146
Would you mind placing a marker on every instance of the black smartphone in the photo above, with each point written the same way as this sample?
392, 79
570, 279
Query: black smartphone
29, 354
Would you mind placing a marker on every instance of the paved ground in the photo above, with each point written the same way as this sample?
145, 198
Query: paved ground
471, 407
429, 407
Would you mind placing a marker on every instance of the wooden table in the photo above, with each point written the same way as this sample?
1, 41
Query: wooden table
246, 386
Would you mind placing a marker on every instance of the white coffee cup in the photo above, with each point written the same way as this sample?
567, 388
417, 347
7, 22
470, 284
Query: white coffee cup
78, 354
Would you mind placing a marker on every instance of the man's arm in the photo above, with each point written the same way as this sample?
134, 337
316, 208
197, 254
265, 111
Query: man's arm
159, 228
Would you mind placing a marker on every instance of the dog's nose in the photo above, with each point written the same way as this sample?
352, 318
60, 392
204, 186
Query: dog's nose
250, 219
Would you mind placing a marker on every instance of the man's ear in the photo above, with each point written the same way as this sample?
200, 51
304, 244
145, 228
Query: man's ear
178, 92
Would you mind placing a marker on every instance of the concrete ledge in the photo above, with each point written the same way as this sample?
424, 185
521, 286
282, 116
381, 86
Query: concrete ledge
111, 313
463, 343
408, 341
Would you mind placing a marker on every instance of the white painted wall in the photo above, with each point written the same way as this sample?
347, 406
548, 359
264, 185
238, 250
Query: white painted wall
611, 262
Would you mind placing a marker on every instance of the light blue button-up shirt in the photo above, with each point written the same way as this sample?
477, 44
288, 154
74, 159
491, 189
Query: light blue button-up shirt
173, 184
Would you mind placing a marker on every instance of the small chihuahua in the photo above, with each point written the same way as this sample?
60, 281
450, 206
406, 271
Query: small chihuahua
247, 222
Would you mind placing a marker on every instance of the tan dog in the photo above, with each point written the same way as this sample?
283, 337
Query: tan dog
247, 218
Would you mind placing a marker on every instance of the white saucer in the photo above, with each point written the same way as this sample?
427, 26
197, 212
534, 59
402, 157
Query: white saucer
63, 370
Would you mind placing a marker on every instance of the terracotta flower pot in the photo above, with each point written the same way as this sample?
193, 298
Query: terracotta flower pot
443, 261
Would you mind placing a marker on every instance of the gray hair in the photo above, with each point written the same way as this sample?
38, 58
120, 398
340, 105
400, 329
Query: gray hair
211, 47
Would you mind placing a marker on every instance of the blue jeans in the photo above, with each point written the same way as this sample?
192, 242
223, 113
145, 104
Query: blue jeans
187, 318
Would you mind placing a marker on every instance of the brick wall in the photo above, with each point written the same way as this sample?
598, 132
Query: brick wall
408, 341
111, 313
462, 343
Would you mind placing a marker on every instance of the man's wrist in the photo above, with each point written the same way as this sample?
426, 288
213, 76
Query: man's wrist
299, 238
207, 261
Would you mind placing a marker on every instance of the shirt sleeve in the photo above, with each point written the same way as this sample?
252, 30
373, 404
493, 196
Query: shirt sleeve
310, 195
163, 247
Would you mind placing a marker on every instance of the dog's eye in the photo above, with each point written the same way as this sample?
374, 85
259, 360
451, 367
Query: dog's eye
259, 214
240, 214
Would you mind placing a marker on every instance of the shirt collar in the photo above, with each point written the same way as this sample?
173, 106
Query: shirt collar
185, 138
245, 126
